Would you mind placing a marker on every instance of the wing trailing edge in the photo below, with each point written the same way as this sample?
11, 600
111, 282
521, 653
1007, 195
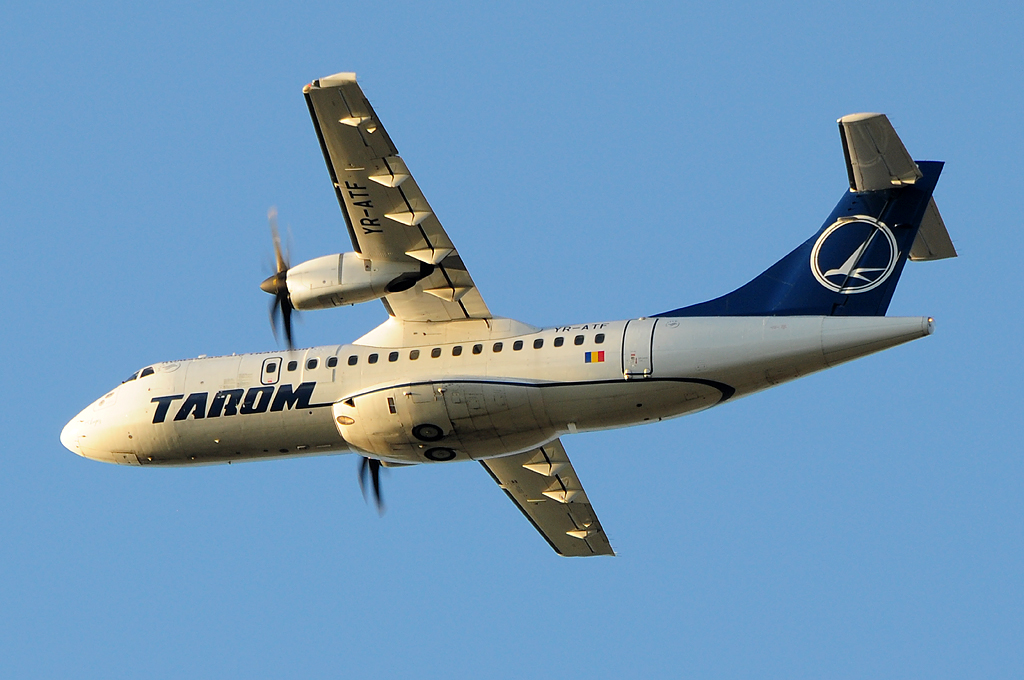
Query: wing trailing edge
546, 489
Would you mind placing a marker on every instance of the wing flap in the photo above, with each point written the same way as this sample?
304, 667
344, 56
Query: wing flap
544, 486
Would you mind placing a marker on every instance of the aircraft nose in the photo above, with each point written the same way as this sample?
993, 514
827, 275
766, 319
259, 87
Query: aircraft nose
98, 432
71, 435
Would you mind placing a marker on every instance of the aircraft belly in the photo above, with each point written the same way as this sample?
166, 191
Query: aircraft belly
445, 421
486, 419
602, 406
495, 418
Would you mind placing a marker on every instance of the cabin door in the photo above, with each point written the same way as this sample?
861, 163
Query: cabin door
637, 341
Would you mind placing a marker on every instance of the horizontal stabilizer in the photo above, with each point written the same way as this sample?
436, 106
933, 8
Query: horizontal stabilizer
932, 241
875, 157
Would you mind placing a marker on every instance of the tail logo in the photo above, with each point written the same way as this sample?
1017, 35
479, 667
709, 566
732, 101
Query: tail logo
854, 255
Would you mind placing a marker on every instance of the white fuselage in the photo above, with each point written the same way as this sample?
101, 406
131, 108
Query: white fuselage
405, 394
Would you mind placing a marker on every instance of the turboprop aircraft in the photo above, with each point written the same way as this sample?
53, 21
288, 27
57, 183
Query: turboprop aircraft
443, 380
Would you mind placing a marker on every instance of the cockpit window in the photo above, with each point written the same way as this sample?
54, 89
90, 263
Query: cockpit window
148, 370
133, 376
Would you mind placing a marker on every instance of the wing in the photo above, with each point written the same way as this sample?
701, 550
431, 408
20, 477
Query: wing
387, 216
543, 484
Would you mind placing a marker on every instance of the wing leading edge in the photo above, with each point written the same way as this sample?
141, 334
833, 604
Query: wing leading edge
387, 216
544, 486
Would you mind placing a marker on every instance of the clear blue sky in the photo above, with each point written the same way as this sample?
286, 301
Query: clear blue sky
591, 162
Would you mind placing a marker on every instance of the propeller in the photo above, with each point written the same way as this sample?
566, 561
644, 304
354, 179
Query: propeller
277, 284
371, 467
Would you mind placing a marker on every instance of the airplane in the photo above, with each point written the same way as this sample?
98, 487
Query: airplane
442, 380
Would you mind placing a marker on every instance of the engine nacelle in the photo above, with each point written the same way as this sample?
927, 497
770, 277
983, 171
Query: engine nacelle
348, 278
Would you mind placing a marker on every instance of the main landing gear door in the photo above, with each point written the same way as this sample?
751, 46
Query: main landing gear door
637, 341
406, 423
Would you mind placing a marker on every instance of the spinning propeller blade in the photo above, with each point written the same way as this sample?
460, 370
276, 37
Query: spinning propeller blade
277, 284
371, 467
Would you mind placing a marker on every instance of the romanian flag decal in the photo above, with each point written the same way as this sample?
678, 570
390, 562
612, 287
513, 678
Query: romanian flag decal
593, 357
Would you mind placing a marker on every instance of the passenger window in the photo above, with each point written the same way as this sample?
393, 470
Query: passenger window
578, 340
435, 353
393, 357
271, 368
146, 371
332, 362
414, 354
538, 343
497, 347
477, 349
559, 341
292, 365
517, 345
372, 359
311, 364
353, 360
599, 338
457, 350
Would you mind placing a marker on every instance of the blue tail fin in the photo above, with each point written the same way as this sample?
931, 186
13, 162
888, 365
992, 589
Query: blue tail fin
849, 268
